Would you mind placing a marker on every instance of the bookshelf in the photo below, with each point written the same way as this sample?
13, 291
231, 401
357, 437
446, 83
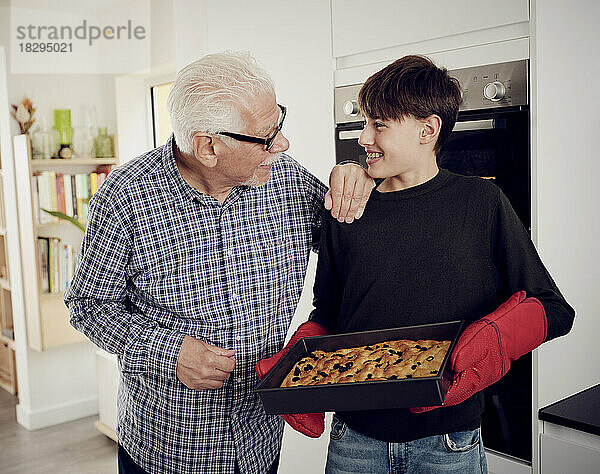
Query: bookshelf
70, 164
8, 375
46, 317
9, 274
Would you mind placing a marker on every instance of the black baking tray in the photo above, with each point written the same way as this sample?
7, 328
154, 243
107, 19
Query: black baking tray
373, 395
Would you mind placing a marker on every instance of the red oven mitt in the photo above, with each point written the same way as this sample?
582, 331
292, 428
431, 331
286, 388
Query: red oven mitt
309, 424
485, 349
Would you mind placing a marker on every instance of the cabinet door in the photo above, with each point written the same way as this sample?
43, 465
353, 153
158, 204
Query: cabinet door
360, 26
565, 457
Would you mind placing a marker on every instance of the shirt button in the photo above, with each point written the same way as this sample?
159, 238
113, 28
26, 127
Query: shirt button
239, 380
230, 253
234, 416
234, 295
238, 338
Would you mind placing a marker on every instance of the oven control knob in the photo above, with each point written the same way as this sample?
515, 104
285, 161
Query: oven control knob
494, 91
351, 108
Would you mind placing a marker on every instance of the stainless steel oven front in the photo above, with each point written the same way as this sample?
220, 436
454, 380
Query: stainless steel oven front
491, 139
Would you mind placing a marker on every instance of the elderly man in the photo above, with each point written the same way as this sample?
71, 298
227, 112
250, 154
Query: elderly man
191, 268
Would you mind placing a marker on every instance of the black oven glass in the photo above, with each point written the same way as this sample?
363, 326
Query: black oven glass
498, 151
346, 143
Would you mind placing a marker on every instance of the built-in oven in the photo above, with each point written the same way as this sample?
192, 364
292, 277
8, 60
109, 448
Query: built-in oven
491, 139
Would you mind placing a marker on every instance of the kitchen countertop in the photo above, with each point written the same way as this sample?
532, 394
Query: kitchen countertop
580, 411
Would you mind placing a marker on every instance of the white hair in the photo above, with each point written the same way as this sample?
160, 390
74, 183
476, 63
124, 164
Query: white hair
207, 95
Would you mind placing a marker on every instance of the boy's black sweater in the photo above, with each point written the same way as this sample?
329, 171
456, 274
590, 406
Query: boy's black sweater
451, 248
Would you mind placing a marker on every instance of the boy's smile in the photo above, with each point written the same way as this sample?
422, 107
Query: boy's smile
373, 157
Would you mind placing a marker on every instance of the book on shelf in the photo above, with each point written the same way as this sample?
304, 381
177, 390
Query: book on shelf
53, 193
67, 193
74, 197
56, 264
35, 198
44, 198
60, 192
42, 256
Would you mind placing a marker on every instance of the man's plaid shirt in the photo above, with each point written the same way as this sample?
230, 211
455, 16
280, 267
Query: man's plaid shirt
160, 260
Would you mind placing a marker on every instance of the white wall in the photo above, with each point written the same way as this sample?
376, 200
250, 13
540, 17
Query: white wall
292, 40
568, 228
53, 91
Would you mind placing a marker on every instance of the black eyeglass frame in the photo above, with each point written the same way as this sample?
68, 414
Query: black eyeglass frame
267, 142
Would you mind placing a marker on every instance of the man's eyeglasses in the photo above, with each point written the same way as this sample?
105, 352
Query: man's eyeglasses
267, 142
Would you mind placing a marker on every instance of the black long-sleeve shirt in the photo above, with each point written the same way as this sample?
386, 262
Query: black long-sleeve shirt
451, 248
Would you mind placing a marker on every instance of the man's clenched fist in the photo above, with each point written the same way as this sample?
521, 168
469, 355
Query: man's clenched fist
201, 366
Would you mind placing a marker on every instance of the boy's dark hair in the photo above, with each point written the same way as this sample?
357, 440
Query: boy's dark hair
412, 86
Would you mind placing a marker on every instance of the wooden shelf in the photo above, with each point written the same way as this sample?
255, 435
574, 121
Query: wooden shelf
57, 163
106, 430
8, 374
9, 386
7, 340
4, 284
53, 227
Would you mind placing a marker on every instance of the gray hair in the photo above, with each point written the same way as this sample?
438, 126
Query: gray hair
207, 95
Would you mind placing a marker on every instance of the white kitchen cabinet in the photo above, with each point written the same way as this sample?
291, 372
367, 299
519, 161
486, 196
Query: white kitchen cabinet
567, 451
565, 457
107, 375
360, 26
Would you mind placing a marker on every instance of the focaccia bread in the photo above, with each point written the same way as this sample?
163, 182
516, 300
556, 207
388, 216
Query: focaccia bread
388, 360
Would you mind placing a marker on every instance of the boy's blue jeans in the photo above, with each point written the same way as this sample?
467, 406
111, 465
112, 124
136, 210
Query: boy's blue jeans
457, 453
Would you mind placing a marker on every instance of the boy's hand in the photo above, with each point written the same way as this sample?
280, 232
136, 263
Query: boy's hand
309, 424
485, 350
349, 189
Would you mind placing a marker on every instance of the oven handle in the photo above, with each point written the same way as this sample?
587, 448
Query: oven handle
349, 134
486, 124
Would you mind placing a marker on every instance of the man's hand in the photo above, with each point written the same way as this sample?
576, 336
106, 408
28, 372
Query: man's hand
201, 366
349, 189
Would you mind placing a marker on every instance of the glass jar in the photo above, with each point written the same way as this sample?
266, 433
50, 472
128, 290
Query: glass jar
104, 147
83, 142
44, 141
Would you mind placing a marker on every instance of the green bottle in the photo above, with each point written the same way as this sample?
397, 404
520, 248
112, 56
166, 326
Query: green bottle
62, 123
103, 144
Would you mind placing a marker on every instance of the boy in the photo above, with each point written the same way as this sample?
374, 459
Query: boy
432, 246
